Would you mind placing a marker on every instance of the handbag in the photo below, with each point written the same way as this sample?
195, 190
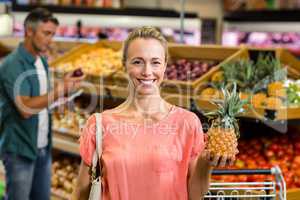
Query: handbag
96, 190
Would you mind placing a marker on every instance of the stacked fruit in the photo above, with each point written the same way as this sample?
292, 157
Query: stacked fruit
64, 174
293, 92
97, 62
70, 121
262, 82
184, 70
266, 152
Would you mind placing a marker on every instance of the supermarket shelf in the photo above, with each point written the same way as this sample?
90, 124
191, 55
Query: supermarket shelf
206, 105
67, 132
289, 113
263, 21
263, 26
113, 91
121, 18
293, 194
263, 16
65, 142
292, 113
147, 12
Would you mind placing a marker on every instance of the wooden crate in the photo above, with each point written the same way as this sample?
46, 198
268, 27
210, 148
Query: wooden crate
82, 49
285, 57
68, 57
293, 71
203, 52
283, 113
60, 48
293, 194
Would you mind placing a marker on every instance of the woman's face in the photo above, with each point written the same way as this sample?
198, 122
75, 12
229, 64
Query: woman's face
146, 65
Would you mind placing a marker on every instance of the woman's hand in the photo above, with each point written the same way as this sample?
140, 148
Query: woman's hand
217, 160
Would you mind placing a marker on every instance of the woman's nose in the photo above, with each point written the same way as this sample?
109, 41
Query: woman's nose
147, 69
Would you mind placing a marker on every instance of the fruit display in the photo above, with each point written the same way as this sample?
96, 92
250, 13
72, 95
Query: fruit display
261, 82
224, 131
100, 61
265, 152
55, 52
77, 73
64, 174
69, 121
183, 69
293, 92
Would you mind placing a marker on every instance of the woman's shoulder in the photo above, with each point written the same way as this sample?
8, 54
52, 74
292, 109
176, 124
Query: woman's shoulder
184, 113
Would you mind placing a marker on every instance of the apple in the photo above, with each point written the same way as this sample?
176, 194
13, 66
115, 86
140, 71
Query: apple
77, 73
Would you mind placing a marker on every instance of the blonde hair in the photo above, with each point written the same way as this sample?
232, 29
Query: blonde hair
145, 32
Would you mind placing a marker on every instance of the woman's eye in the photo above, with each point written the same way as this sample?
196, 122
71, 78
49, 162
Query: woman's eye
156, 63
137, 62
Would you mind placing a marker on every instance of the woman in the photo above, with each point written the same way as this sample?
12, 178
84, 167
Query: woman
151, 149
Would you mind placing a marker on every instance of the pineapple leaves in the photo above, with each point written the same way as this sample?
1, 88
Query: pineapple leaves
254, 77
228, 108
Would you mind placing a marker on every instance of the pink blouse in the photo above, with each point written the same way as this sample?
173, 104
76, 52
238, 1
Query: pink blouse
141, 161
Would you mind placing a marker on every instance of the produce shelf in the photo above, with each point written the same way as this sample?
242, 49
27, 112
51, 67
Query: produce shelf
216, 53
285, 57
290, 113
66, 142
111, 17
293, 194
75, 59
206, 105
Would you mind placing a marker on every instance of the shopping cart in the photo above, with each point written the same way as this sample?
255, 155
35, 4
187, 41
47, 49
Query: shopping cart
268, 190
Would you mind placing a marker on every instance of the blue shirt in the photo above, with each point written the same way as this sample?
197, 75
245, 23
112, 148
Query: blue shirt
18, 77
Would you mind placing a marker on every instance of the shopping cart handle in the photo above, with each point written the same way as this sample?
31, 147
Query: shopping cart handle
241, 171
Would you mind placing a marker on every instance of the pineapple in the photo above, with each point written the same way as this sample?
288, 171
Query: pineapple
244, 95
276, 89
211, 93
218, 76
224, 131
208, 91
273, 102
259, 99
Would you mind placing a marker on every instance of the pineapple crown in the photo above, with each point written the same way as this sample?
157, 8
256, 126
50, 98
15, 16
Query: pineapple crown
228, 109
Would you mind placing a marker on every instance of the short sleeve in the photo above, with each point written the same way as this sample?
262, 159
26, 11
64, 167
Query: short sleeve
88, 140
198, 138
15, 81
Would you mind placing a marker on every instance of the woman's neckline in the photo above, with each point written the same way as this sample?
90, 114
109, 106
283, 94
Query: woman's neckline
145, 123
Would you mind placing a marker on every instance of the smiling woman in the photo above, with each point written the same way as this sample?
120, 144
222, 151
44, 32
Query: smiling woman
151, 149
145, 66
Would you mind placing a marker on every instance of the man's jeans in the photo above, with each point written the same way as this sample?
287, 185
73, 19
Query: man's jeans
27, 179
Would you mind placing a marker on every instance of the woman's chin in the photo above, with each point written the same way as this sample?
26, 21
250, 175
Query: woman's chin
147, 91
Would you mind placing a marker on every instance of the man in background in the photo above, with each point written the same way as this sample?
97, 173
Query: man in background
25, 121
